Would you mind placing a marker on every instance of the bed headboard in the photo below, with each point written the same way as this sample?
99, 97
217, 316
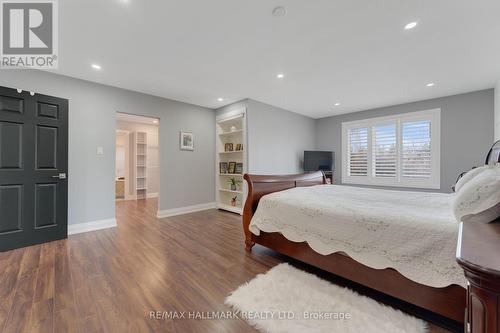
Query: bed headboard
493, 156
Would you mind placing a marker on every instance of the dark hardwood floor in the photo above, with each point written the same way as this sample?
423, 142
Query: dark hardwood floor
110, 280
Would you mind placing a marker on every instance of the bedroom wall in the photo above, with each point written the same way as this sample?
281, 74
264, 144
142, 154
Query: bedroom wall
497, 111
276, 137
466, 131
187, 177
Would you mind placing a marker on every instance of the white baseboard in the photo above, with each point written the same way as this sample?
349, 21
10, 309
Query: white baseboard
91, 226
185, 210
152, 195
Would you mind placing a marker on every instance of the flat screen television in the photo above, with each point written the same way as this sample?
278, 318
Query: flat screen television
319, 160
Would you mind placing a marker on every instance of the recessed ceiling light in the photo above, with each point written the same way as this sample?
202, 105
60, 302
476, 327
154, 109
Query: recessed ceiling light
280, 75
220, 99
155, 121
337, 104
96, 67
430, 84
411, 25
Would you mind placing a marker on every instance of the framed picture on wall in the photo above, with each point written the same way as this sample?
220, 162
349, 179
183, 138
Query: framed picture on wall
186, 141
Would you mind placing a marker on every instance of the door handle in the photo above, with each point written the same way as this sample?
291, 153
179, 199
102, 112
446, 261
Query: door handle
60, 176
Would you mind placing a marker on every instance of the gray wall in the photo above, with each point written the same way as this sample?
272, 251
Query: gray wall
497, 111
187, 178
276, 137
466, 131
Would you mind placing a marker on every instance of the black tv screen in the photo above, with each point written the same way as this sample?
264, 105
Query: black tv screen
318, 160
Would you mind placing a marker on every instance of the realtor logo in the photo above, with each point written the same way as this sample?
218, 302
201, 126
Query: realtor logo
29, 34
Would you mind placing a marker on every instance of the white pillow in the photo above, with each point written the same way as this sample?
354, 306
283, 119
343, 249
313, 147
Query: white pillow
468, 176
479, 198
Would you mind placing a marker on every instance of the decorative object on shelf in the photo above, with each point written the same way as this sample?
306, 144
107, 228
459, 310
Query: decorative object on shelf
233, 200
232, 167
223, 167
228, 147
233, 129
239, 146
235, 183
239, 168
186, 141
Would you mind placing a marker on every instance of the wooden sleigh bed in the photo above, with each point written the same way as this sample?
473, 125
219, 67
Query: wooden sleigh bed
449, 302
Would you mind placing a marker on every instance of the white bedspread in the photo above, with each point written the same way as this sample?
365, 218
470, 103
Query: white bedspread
412, 232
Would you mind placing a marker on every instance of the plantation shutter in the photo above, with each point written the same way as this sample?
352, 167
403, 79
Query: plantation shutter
416, 149
358, 152
384, 151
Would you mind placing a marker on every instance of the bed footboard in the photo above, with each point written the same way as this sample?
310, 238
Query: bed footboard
260, 185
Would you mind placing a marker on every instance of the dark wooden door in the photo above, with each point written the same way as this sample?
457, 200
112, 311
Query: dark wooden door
33, 169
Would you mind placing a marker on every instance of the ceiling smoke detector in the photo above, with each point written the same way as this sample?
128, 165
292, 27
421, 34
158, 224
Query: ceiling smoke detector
279, 11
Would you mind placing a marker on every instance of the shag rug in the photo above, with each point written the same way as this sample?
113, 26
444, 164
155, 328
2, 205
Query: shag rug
286, 299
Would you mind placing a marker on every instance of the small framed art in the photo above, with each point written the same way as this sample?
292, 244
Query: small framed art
223, 167
232, 167
186, 141
238, 168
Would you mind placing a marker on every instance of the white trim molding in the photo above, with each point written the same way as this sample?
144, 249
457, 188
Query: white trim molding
79, 228
185, 210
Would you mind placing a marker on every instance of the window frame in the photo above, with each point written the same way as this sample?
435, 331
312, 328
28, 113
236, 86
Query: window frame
433, 182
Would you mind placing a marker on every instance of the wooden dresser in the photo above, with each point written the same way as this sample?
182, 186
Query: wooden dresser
478, 254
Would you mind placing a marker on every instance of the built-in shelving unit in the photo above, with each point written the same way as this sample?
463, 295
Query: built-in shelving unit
141, 150
231, 129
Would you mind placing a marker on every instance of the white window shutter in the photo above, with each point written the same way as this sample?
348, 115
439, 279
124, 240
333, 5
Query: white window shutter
416, 149
358, 152
384, 151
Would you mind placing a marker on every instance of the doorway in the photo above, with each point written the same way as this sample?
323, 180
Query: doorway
137, 168
33, 168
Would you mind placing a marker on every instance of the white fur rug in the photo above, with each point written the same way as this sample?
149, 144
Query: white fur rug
286, 299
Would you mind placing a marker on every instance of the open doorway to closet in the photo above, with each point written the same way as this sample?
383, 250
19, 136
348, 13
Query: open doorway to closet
137, 168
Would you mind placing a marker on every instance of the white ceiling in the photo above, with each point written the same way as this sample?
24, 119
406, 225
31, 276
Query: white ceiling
353, 52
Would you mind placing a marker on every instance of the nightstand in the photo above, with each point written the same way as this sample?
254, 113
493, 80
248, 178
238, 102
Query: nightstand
478, 254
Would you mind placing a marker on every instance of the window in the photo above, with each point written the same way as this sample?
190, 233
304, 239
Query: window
401, 150
358, 151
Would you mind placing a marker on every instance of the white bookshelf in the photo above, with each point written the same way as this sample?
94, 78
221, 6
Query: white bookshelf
141, 151
231, 128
